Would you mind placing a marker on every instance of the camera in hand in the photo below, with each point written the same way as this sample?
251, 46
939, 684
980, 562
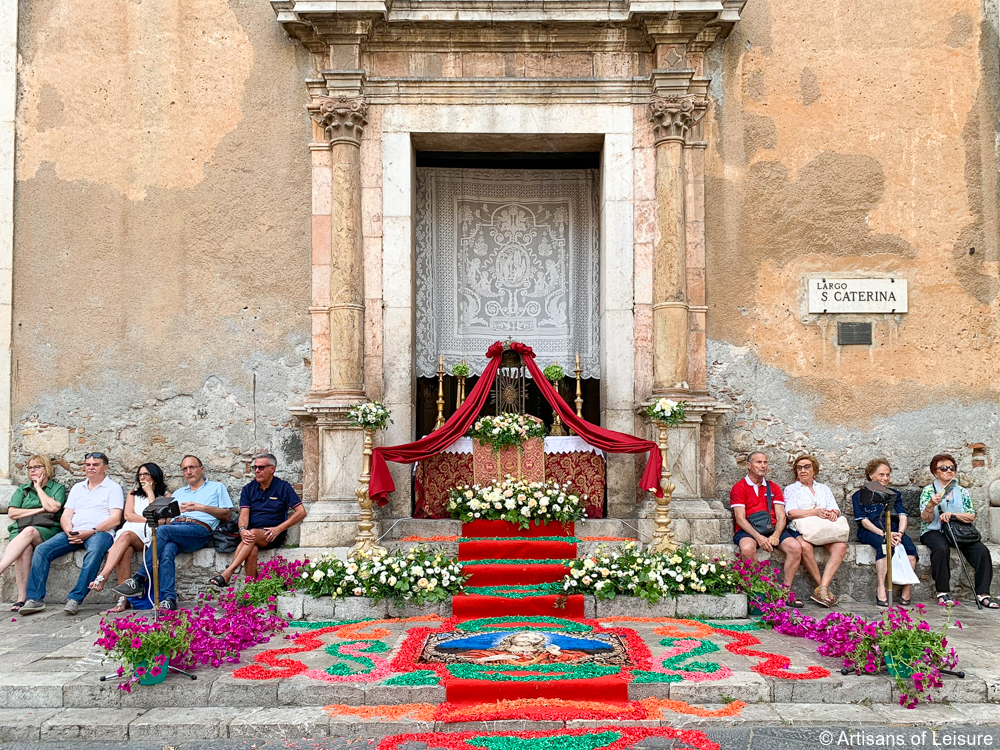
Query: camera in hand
161, 509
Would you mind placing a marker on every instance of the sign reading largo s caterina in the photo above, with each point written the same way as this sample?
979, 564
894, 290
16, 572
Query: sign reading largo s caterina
830, 295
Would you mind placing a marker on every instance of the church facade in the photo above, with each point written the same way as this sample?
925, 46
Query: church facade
231, 221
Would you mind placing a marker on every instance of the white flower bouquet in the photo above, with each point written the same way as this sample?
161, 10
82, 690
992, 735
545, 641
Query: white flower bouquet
506, 430
516, 501
421, 575
371, 415
667, 411
630, 571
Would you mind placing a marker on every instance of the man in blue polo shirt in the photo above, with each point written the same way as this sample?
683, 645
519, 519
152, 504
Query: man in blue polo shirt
264, 519
203, 505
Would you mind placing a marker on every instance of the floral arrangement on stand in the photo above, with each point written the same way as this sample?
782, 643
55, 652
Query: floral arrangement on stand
506, 430
554, 373
516, 501
420, 576
370, 415
630, 571
669, 412
460, 370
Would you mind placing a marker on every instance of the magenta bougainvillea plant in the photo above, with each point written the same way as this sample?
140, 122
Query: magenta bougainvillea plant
862, 644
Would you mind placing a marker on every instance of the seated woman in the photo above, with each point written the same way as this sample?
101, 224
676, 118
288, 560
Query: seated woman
870, 518
940, 507
134, 533
35, 509
807, 497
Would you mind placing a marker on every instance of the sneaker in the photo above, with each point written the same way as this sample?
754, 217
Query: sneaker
72, 607
33, 605
169, 605
131, 587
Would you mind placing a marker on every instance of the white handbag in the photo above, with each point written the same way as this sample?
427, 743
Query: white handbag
902, 573
819, 531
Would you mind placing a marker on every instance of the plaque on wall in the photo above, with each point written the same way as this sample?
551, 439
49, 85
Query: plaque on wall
857, 295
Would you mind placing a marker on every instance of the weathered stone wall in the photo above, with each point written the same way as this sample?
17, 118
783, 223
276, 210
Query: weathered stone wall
849, 139
162, 260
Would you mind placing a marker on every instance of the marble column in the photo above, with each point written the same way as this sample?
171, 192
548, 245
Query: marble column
672, 116
343, 120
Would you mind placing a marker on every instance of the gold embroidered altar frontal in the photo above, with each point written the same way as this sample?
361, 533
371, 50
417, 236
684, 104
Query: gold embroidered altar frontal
440, 474
526, 462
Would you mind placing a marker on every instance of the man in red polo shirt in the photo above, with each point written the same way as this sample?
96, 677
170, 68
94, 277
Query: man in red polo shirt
755, 494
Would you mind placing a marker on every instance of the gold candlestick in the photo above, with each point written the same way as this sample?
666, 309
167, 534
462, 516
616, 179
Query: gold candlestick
579, 390
440, 402
365, 542
663, 540
461, 388
557, 426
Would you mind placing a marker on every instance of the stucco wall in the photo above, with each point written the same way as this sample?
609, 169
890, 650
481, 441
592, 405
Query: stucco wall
856, 138
162, 252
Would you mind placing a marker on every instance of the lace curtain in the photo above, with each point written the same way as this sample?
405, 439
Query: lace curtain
507, 254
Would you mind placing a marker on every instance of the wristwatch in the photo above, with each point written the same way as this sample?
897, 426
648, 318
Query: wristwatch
242, 529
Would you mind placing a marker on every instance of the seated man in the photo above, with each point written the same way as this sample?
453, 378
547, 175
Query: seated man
755, 494
203, 504
91, 514
264, 519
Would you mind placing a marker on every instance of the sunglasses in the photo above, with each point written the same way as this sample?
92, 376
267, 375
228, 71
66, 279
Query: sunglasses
261, 468
96, 455
803, 467
946, 468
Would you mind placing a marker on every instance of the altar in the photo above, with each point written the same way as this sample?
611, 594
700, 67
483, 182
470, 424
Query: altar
565, 459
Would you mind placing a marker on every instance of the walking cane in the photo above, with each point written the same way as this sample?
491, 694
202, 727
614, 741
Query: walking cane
961, 562
888, 553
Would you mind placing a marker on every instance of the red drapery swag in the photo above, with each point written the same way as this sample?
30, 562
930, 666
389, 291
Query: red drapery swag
460, 422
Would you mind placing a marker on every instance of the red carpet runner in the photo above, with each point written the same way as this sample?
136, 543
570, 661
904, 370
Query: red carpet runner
507, 582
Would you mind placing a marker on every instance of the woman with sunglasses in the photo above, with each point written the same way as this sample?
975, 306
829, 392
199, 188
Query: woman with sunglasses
35, 509
941, 502
134, 533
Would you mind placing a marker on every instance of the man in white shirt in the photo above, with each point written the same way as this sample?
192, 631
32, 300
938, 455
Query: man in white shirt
203, 505
92, 513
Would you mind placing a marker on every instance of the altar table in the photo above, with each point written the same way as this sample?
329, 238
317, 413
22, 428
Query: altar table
566, 459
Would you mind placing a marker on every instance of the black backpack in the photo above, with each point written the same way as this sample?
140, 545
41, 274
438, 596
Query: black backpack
226, 536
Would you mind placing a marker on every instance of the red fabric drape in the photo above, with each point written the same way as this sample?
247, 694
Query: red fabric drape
459, 422
607, 440
457, 425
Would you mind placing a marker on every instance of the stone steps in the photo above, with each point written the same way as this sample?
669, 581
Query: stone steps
184, 723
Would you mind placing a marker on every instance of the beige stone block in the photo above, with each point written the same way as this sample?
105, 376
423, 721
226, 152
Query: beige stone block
398, 360
371, 211
397, 261
510, 118
645, 222
321, 239
371, 247
614, 64
642, 282
373, 327
320, 285
48, 440
371, 161
320, 350
617, 173
397, 177
643, 340
340, 456
617, 391
642, 127
391, 64
321, 189
616, 256
482, 65
561, 65
451, 65
644, 173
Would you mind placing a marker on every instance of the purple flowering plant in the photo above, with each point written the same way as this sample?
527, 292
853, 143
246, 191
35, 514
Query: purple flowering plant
274, 578
140, 643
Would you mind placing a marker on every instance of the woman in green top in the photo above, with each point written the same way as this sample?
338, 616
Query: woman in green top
38, 506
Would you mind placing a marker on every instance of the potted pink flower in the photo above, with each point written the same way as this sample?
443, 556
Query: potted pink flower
144, 646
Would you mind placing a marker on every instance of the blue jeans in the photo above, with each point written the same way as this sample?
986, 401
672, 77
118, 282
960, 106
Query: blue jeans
171, 539
97, 547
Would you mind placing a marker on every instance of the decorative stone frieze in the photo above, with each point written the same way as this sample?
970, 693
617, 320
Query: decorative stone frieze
343, 119
673, 117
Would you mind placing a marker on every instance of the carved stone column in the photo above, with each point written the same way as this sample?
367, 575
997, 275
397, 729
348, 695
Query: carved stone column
672, 118
343, 120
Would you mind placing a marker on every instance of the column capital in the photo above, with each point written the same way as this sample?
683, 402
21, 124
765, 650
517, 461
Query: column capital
343, 119
674, 116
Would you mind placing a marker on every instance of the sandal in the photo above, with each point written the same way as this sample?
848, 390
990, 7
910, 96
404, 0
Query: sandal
822, 596
98, 583
904, 602
989, 602
945, 600
794, 601
218, 581
16, 606
121, 605
881, 602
